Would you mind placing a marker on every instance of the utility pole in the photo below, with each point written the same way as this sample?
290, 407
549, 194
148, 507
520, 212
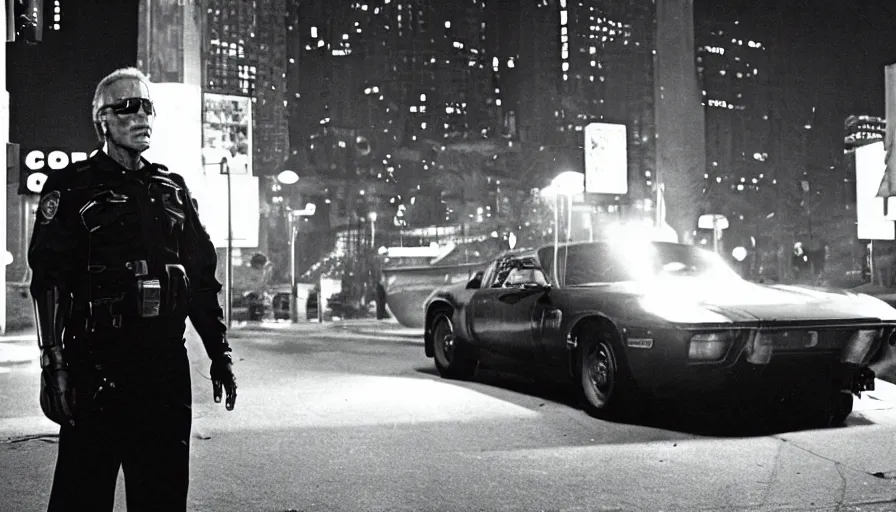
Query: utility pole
228, 267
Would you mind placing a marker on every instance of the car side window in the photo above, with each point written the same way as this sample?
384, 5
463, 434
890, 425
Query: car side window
504, 266
488, 275
525, 276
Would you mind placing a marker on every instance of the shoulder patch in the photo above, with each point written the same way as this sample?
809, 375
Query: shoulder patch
49, 205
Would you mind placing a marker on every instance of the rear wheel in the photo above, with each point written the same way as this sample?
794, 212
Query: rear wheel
451, 362
829, 410
836, 409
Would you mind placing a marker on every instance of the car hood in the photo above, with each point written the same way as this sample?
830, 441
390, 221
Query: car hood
694, 300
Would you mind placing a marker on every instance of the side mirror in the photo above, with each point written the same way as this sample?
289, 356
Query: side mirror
476, 281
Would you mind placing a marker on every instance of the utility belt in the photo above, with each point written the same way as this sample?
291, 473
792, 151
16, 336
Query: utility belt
141, 300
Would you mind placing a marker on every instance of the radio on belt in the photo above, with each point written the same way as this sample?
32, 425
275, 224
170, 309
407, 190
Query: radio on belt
149, 291
149, 297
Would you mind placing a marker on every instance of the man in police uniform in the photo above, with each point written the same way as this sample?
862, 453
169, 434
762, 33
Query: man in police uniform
120, 261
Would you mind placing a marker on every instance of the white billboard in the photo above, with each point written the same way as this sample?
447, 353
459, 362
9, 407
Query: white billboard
177, 130
244, 213
177, 143
871, 224
606, 159
227, 133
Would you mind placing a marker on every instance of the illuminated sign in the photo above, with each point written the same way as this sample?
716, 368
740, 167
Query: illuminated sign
871, 223
606, 159
55, 160
39, 164
227, 132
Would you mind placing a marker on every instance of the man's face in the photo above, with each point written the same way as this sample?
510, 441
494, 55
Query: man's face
131, 130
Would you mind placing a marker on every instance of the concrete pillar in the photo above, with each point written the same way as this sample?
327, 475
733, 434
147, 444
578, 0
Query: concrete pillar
169, 51
4, 139
680, 123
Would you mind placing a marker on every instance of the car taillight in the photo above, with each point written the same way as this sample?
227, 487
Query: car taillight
709, 346
859, 347
759, 349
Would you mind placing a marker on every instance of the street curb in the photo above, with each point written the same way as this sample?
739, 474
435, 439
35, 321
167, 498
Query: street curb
18, 354
385, 332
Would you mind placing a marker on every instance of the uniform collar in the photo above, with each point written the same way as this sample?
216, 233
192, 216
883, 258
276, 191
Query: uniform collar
106, 163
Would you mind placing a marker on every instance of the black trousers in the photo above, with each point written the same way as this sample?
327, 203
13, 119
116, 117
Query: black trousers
141, 426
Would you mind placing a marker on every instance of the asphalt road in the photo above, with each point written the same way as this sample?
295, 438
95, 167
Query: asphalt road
329, 420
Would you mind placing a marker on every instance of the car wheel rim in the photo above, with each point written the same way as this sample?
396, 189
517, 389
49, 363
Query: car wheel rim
601, 369
443, 334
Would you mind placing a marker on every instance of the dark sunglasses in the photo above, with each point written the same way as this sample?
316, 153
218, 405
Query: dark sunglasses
132, 106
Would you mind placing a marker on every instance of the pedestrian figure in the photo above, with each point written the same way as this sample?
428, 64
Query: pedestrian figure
120, 261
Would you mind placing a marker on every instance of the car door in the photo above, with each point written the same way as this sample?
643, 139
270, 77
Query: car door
517, 302
482, 312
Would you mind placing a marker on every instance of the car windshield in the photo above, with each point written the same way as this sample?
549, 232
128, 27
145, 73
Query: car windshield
601, 263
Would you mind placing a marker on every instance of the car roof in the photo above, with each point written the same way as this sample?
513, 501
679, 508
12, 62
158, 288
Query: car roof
533, 251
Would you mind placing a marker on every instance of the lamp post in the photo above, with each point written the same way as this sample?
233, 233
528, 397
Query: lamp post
224, 167
372, 216
569, 184
293, 216
566, 183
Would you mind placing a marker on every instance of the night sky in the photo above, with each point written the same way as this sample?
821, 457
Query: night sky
828, 53
831, 53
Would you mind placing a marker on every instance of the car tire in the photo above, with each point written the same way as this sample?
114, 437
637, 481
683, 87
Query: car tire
838, 409
604, 383
830, 410
450, 359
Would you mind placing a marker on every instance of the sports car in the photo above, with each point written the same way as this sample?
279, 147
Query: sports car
625, 320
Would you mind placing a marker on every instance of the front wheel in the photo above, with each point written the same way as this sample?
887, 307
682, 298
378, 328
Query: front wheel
450, 359
604, 384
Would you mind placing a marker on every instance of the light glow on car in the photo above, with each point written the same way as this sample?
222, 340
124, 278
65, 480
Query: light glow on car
872, 306
709, 346
673, 308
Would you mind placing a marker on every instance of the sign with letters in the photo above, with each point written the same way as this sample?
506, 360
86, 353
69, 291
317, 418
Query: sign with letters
38, 164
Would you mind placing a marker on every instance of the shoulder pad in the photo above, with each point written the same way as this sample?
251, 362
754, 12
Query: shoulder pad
81, 166
159, 168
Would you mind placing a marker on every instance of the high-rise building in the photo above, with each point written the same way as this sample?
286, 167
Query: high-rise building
394, 72
581, 61
245, 49
733, 65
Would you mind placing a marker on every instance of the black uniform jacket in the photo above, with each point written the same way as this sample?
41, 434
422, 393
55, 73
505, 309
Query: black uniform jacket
102, 232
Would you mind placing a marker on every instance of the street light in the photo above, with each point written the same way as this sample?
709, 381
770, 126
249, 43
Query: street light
288, 177
308, 211
569, 183
224, 166
566, 183
372, 216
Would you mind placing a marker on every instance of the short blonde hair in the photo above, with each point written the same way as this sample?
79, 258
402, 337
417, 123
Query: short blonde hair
119, 74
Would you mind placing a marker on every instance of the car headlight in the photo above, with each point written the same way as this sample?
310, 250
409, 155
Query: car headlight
709, 346
859, 347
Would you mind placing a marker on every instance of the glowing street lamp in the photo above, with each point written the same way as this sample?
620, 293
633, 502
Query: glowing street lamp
288, 177
569, 184
372, 216
308, 211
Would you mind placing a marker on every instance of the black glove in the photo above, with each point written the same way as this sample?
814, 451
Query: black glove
55, 396
222, 376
